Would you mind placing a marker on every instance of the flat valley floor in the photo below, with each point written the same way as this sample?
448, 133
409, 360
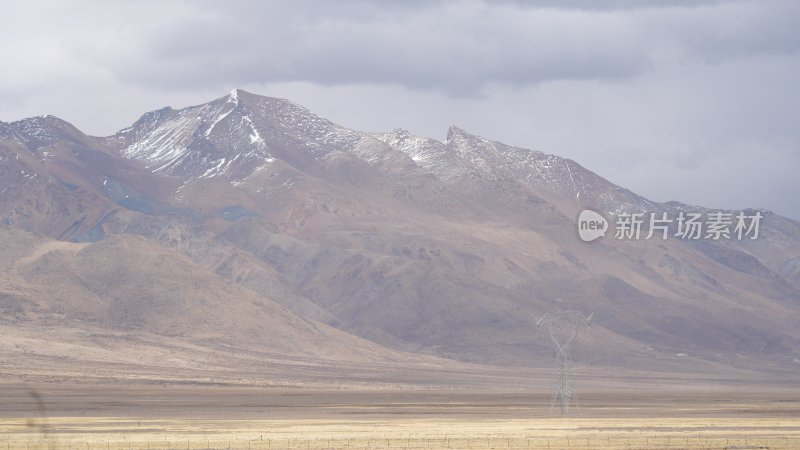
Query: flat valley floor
167, 416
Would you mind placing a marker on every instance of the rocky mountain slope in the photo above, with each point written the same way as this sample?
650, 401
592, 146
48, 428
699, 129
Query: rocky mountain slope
375, 244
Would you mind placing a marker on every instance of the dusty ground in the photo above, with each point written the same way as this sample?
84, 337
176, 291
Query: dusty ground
105, 433
195, 417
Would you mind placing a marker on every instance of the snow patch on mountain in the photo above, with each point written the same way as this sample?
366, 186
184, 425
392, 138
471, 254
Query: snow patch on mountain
466, 155
429, 154
215, 139
165, 145
254, 136
218, 119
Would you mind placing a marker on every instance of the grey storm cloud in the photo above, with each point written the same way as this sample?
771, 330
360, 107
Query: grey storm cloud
610, 5
459, 47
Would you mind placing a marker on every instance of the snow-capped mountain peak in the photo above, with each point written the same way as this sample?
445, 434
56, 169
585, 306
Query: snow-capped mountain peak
233, 97
232, 136
216, 138
241, 134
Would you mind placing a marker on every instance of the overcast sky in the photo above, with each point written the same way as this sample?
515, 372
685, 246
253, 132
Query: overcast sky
692, 100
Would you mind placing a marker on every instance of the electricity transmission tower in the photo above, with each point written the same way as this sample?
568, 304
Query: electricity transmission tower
563, 328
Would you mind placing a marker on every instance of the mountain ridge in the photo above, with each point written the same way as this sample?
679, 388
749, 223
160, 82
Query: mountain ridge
446, 249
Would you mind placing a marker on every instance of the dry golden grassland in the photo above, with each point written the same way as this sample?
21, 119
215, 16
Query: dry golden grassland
555, 433
120, 417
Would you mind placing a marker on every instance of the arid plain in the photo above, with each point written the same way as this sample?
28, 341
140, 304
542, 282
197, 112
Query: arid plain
620, 414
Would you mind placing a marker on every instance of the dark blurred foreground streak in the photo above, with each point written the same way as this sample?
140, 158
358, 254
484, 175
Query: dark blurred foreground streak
37, 425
